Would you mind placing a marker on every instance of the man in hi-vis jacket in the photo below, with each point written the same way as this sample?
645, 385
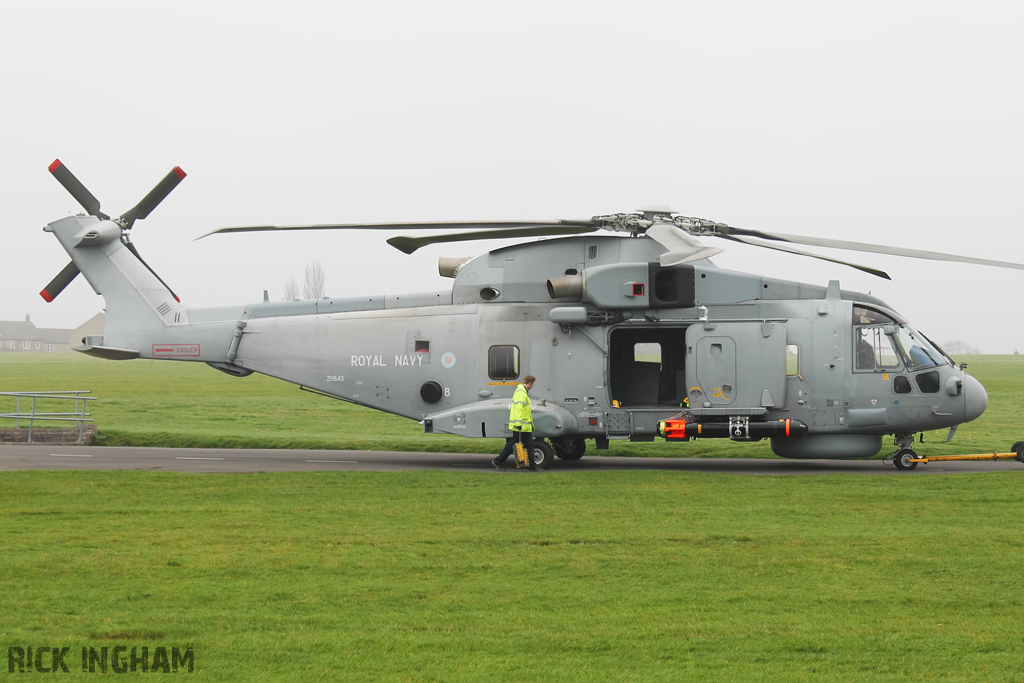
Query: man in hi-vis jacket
520, 421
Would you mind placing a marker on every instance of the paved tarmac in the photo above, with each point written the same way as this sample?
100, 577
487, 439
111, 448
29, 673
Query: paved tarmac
51, 457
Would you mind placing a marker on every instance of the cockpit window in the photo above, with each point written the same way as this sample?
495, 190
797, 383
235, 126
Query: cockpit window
917, 350
875, 350
868, 316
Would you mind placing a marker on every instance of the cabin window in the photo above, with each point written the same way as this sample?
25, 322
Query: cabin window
503, 362
422, 346
792, 360
647, 352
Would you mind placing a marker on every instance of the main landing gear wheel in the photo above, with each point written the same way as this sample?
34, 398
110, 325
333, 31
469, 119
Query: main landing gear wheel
903, 457
542, 454
1018, 448
570, 449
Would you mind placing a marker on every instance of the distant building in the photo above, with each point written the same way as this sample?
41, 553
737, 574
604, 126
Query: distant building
91, 327
25, 337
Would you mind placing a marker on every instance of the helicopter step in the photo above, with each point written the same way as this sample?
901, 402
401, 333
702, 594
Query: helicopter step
907, 459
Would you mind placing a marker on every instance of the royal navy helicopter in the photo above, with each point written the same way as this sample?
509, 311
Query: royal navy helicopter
632, 332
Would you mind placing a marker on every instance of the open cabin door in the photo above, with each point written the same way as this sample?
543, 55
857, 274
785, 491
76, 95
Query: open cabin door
735, 368
646, 366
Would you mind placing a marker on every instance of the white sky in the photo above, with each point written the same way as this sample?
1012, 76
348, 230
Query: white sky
885, 122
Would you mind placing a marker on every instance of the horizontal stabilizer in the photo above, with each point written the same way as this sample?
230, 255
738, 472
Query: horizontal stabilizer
108, 352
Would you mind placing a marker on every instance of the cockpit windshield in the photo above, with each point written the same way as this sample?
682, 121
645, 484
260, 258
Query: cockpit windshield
881, 344
917, 351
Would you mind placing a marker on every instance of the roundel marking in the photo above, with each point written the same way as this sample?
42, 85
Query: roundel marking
448, 359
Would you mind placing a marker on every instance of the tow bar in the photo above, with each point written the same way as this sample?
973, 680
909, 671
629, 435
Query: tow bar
907, 459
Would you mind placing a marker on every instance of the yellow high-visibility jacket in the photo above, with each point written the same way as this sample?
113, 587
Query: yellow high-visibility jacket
520, 415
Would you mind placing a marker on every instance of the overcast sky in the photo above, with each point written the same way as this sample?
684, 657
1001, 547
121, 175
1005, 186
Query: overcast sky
886, 122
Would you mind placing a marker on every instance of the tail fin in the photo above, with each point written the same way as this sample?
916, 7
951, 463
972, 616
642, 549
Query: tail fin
138, 303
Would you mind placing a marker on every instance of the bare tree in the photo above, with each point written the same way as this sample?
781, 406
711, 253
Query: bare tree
316, 281
291, 290
958, 347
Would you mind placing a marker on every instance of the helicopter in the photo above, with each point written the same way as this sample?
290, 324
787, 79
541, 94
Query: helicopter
632, 332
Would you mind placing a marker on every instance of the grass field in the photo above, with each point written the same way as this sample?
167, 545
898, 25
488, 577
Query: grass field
160, 403
622, 576
451, 576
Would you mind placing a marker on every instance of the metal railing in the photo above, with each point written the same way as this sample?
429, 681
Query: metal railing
33, 414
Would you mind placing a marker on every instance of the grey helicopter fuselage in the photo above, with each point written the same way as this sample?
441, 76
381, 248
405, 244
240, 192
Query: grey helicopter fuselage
618, 344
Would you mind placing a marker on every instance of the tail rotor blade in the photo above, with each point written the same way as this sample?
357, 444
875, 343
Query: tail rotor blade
155, 196
73, 185
58, 283
131, 248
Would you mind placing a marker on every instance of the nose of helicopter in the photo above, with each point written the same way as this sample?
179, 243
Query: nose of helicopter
975, 398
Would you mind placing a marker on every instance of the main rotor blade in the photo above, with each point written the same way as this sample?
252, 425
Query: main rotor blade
871, 248
155, 196
131, 248
73, 185
57, 284
779, 247
443, 225
410, 244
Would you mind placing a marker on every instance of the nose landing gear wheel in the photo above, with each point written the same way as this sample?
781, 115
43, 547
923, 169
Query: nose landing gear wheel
903, 457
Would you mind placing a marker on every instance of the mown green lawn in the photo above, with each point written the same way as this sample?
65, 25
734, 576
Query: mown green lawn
448, 576
442, 576
161, 403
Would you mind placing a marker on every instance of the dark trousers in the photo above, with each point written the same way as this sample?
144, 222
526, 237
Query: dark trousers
527, 439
